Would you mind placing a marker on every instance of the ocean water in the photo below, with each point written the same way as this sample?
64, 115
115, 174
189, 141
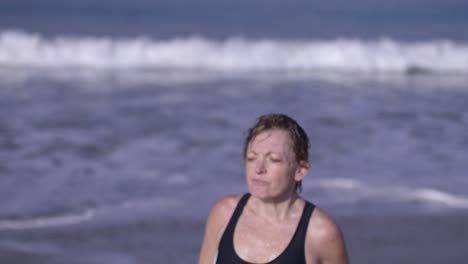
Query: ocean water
116, 115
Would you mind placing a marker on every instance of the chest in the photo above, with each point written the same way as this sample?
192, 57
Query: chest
258, 241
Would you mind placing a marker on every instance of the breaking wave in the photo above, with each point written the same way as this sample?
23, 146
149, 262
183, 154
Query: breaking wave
21, 49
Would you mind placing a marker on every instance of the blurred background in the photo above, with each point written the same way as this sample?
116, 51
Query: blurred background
122, 122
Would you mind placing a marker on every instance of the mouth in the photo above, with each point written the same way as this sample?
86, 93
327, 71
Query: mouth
259, 182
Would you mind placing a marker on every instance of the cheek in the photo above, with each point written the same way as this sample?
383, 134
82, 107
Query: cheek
281, 172
249, 168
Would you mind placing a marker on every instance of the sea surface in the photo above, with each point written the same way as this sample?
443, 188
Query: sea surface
118, 115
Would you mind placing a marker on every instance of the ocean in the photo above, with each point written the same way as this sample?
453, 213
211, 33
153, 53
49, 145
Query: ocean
121, 123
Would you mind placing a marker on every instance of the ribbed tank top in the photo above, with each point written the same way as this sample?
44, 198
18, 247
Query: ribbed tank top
294, 252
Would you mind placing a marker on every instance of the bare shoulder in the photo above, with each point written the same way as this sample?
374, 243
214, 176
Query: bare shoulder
325, 239
322, 227
217, 221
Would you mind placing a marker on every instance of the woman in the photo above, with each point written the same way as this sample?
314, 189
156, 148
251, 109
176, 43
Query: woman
272, 223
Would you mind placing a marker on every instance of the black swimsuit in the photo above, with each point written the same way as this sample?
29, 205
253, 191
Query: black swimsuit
293, 254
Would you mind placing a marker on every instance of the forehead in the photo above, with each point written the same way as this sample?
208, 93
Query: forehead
274, 140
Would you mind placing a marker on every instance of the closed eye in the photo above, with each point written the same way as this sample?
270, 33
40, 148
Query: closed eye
250, 158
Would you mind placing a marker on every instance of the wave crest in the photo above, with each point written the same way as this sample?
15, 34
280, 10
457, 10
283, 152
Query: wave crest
21, 49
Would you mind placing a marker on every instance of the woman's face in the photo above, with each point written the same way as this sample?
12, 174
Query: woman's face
271, 168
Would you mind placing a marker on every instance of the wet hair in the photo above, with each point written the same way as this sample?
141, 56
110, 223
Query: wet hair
299, 138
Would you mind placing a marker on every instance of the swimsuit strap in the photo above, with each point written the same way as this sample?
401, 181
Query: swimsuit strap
226, 252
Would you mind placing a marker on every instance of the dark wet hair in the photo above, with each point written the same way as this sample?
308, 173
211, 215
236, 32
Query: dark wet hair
299, 138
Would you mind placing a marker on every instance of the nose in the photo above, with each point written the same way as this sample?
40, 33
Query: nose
260, 166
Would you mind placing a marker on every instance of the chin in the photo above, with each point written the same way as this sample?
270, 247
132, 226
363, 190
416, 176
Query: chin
258, 192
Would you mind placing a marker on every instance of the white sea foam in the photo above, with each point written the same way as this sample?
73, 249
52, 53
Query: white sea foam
354, 190
340, 183
50, 221
20, 49
106, 213
436, 196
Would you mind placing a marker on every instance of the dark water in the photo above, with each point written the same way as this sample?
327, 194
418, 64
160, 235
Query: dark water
415, 20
